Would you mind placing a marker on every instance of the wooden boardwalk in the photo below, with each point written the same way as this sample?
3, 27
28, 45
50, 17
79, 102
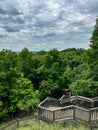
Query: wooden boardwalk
78, 108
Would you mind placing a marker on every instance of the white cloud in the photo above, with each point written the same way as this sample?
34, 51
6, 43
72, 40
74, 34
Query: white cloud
41, 24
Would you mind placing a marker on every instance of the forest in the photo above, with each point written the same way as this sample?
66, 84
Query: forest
26, 78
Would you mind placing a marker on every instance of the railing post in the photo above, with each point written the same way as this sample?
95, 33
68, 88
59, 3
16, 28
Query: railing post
74, 109
90, 120
17, 121
53, 116
93, 104
38, 116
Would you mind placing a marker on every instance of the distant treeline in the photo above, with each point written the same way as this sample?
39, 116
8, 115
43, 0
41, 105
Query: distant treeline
26, 77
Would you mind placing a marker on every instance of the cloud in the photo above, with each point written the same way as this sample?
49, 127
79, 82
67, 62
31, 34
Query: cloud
90, 8
2, 35
2, 11
41, 24
9, 10
11, 29
4, 20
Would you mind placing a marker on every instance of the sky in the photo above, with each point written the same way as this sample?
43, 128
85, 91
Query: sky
46, 24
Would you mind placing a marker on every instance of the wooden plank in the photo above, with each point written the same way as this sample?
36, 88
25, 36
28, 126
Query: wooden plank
82, 114
50, 110
64, 113
43, 101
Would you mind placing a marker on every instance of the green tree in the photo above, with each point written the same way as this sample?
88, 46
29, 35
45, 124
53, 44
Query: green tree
4, 91
22, 95
48, 88
85, 81
94, 53
8, 59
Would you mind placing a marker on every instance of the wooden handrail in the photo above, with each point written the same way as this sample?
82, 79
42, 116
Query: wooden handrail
43, 101
77, 98
70, 101
96, 108
70, 109
45, 108
95, 98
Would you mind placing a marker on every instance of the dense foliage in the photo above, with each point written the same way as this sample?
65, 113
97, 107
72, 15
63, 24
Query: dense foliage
26, 77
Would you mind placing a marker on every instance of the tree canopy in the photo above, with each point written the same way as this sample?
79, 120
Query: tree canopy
27, 77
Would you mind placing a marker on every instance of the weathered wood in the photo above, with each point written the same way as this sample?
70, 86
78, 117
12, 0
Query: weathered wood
72, 108
81, 114
45, 114
94, 114
43, 102
78, 100
66, 112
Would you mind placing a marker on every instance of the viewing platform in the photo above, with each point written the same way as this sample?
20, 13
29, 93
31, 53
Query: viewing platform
77, 108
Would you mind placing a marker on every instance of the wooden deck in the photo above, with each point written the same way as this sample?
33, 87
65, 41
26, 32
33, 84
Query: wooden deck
52, 110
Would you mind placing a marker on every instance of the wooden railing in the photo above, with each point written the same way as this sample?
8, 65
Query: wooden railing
62, 113
89, 116
79, 101
17, 123
73, 100
50, 102
81, 114
45, 114
94, 114
78, 108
